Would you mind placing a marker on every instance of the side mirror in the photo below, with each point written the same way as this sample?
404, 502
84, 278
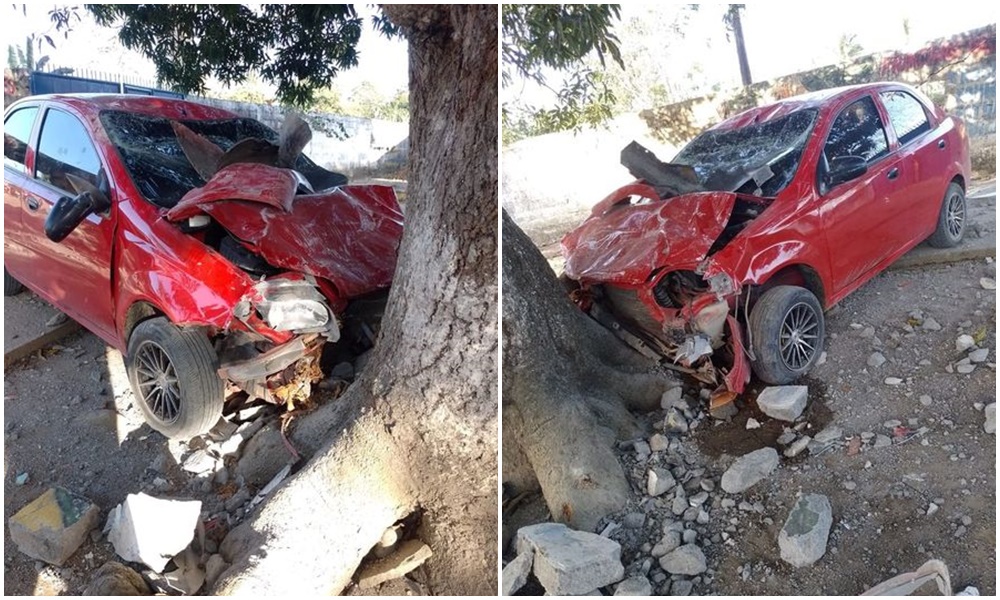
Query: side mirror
846, 168
67, 213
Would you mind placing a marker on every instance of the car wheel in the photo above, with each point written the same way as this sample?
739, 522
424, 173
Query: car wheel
11, 286
951, 219
786, 332
173, 375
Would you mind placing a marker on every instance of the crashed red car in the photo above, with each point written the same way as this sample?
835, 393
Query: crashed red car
201, 244
726, 258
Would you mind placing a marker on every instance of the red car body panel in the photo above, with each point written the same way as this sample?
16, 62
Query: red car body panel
134, 256
831, 241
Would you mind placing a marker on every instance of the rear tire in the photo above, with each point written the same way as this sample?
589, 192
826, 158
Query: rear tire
951, 219
11, 286
787, 331
173, 375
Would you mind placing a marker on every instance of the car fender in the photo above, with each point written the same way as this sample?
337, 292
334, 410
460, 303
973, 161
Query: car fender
757, 268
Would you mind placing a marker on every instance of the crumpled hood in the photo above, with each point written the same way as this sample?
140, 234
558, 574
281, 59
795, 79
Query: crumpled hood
349, 235
624, 244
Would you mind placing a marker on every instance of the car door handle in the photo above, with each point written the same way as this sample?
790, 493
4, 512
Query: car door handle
33, 204
893, 173
942, 143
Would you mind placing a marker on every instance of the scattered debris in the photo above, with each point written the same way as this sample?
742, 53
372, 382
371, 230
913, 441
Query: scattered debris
753, 423
907, 583
188, 577
980, 355
21, 479
749, 469
659, 481
987, 283
569, 562
784, 403
515, 574
152, 530
52, 526
930, 324
685, 560
876, 360
56, 320
115, 579
803, 538
990, 426
893, 381
964, 342
672, 398
410, 555
797, 446
636, 585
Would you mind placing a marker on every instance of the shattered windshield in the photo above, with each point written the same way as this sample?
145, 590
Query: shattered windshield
759, 159
154, 159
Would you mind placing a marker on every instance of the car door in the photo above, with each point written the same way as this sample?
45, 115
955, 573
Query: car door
75, 274
18, 127
858, 215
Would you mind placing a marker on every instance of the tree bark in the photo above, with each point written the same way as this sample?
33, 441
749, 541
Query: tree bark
418, 431
568, 385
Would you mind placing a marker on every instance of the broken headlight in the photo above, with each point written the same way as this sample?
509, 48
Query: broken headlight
293, 305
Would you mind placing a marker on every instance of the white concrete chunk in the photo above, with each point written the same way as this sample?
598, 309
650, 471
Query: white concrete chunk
749, 469
152, 530
785, 402
569, 562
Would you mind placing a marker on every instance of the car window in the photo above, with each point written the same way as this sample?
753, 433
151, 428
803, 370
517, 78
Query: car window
16, 131
906, 115
858, 131
65, 148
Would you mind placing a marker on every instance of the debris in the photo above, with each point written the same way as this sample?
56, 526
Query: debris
893, 381
214, 567
787, 437
932, 508
925, 400
52, 526
634, 586
798, 446
199, 462
659, 481
658, 442
964, 342
270, 487
987, 283
634, 520
882, 441
569, 562
515, 574
21, 479
965, 369
753, 423
907, 583
930, 324
410, 555
854, 446
115, 579
749, 469
784, 403
188, 577
56, 320
830, 433
673, 398
803, 538
990, 426
876, 360
264, 456
685, 560
152, 530
675, 422
980, 355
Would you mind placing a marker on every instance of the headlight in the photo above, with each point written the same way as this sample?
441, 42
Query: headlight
292, 314
295, 305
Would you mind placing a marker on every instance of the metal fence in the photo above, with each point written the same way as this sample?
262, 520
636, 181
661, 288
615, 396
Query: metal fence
67, 81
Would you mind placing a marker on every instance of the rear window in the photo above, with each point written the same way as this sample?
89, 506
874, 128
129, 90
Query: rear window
906, 115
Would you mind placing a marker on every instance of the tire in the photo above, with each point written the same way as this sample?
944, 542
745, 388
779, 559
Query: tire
951, 218
193, 404
11, 286
780, 311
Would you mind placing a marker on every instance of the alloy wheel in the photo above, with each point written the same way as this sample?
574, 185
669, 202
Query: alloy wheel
158, 384
798, 338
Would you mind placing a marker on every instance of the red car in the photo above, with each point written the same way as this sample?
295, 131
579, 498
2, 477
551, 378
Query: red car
202, 245
726, 258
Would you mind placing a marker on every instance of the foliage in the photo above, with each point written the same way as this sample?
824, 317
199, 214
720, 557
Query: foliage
939, 56
366, 101
299, 47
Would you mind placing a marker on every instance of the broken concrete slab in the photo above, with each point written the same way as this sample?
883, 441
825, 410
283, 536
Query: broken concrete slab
52, 526
686, 560
410, 555
200, 462
659, 481
214, 567
990, 426
569, 562
115, 579
749, 469
515, 574
189, 576
152, 530
634, 586
803, 538
784, 402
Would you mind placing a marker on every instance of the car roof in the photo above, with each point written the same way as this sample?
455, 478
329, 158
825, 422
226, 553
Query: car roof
90, 105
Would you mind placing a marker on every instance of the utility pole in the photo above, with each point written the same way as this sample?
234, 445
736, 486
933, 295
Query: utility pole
741, 50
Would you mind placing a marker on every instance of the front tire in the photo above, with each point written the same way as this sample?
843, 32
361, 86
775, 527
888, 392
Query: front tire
11, 286
173, 375
787, 331
951, 219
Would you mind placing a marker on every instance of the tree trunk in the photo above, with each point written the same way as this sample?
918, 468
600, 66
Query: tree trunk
567, 386
418, 431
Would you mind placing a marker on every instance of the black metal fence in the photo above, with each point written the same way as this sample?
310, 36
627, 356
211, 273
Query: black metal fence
57, 83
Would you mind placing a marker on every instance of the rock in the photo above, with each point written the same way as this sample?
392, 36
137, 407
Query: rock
680, 503
803, 538
670, 542
569, 562
822, 359
925, 400
675, 422
681, 587
876, 360
867, 332
21, 479
723, 412
830, 433
659, 481
930, 324
238, 499
850, 486
798, 446
515, 574
642, 449
980, 355
152, 530
673, 398
784, 403
634, 520
199, 462
56, 320
188, 577
344, 370
990, 426
882, 441
52, 526
634, 586
964, 342
787, 438
753, 423
932, 508
893, 381
965, 369
685, 560
659, 442
892, 423
749, 469
213, 568
115, 579
987, 283
689, 536
263, 457
408, 556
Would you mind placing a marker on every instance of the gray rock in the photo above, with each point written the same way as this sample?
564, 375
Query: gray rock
803, 538
930, 324
568, 562
152, 530
408, 556
52, 526
673, 398
690, 514
214, 567
830, 433
925, 400
634, 520
893, 381
964, 342
980, 355
115, 579
238, 499
263, 457
515, 574
868, 332
965, 369
891, 423
642, 449
850, 486
785, 402
787, 438
686, 560
749, 469
680, 503
670, 542
634, 586
199, 462
675, 422
681, 587
798, 446
659, 481
753, 423
882, 441
659, 442
689, 536
876, 360
990, 426
987, 283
